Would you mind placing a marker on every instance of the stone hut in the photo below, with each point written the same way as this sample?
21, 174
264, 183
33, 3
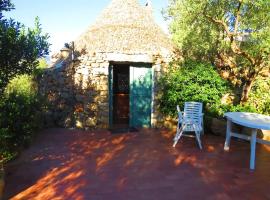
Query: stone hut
108, 77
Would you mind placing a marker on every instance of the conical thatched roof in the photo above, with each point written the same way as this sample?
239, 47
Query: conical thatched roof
125, 27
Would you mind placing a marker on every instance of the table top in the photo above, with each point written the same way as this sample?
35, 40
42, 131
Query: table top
251, 120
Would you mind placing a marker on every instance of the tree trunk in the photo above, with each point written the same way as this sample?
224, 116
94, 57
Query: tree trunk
246, 90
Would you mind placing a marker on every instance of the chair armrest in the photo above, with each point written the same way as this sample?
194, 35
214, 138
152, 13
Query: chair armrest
180, 114
180, 117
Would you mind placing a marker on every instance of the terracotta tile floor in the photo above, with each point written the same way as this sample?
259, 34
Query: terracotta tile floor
65, 164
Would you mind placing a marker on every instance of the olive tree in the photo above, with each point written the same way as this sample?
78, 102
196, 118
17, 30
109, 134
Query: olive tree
233, 35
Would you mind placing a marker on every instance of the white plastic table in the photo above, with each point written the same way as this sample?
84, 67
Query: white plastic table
250, 120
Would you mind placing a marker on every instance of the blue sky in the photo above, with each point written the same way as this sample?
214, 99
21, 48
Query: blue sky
65, 20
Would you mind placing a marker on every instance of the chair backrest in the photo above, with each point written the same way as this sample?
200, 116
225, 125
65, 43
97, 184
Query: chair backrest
193, 112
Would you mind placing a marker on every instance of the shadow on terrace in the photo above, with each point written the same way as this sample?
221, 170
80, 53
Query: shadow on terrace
66, 164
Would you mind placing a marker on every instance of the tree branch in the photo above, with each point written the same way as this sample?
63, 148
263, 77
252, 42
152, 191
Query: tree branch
227, 62
234, 47
219, 22
237, 16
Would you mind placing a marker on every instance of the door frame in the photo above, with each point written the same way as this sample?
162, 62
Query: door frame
110, 95
111, 78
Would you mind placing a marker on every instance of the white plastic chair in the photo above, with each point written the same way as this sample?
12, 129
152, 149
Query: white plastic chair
191, 120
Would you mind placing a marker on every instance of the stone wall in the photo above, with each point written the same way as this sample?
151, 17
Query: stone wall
91, 76
160, 66
77, 92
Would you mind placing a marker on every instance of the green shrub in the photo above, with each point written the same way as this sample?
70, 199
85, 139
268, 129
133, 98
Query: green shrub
20, 114
21, 86
218, 110
192, 81
41, 67
260, 96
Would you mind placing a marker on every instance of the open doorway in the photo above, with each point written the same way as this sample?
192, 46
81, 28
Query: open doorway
130, 95
121, 91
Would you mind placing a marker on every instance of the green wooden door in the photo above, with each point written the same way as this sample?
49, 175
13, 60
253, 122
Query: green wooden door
140, 95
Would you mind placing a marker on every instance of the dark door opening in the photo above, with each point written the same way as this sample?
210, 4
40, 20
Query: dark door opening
121, 96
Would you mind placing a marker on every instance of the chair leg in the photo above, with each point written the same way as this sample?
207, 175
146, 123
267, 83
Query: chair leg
198, 139
177, 136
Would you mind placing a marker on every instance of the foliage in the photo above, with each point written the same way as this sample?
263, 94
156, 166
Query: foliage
234, 35
21, 52
260, 96
40, 68
20, 115
20, 47
42, 64
6, 5
218, 110
192, 82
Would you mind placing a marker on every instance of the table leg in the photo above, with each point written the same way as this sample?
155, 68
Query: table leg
253, 149
228, 135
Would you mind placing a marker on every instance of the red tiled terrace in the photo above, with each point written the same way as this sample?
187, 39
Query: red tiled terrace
69, 164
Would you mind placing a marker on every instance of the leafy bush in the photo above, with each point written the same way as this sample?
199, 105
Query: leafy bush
20, 114
260, 96
192, 81
258, 102
41, 67
218, 110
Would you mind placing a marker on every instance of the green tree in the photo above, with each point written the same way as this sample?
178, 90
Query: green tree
6, 5
233, 35
20, 47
